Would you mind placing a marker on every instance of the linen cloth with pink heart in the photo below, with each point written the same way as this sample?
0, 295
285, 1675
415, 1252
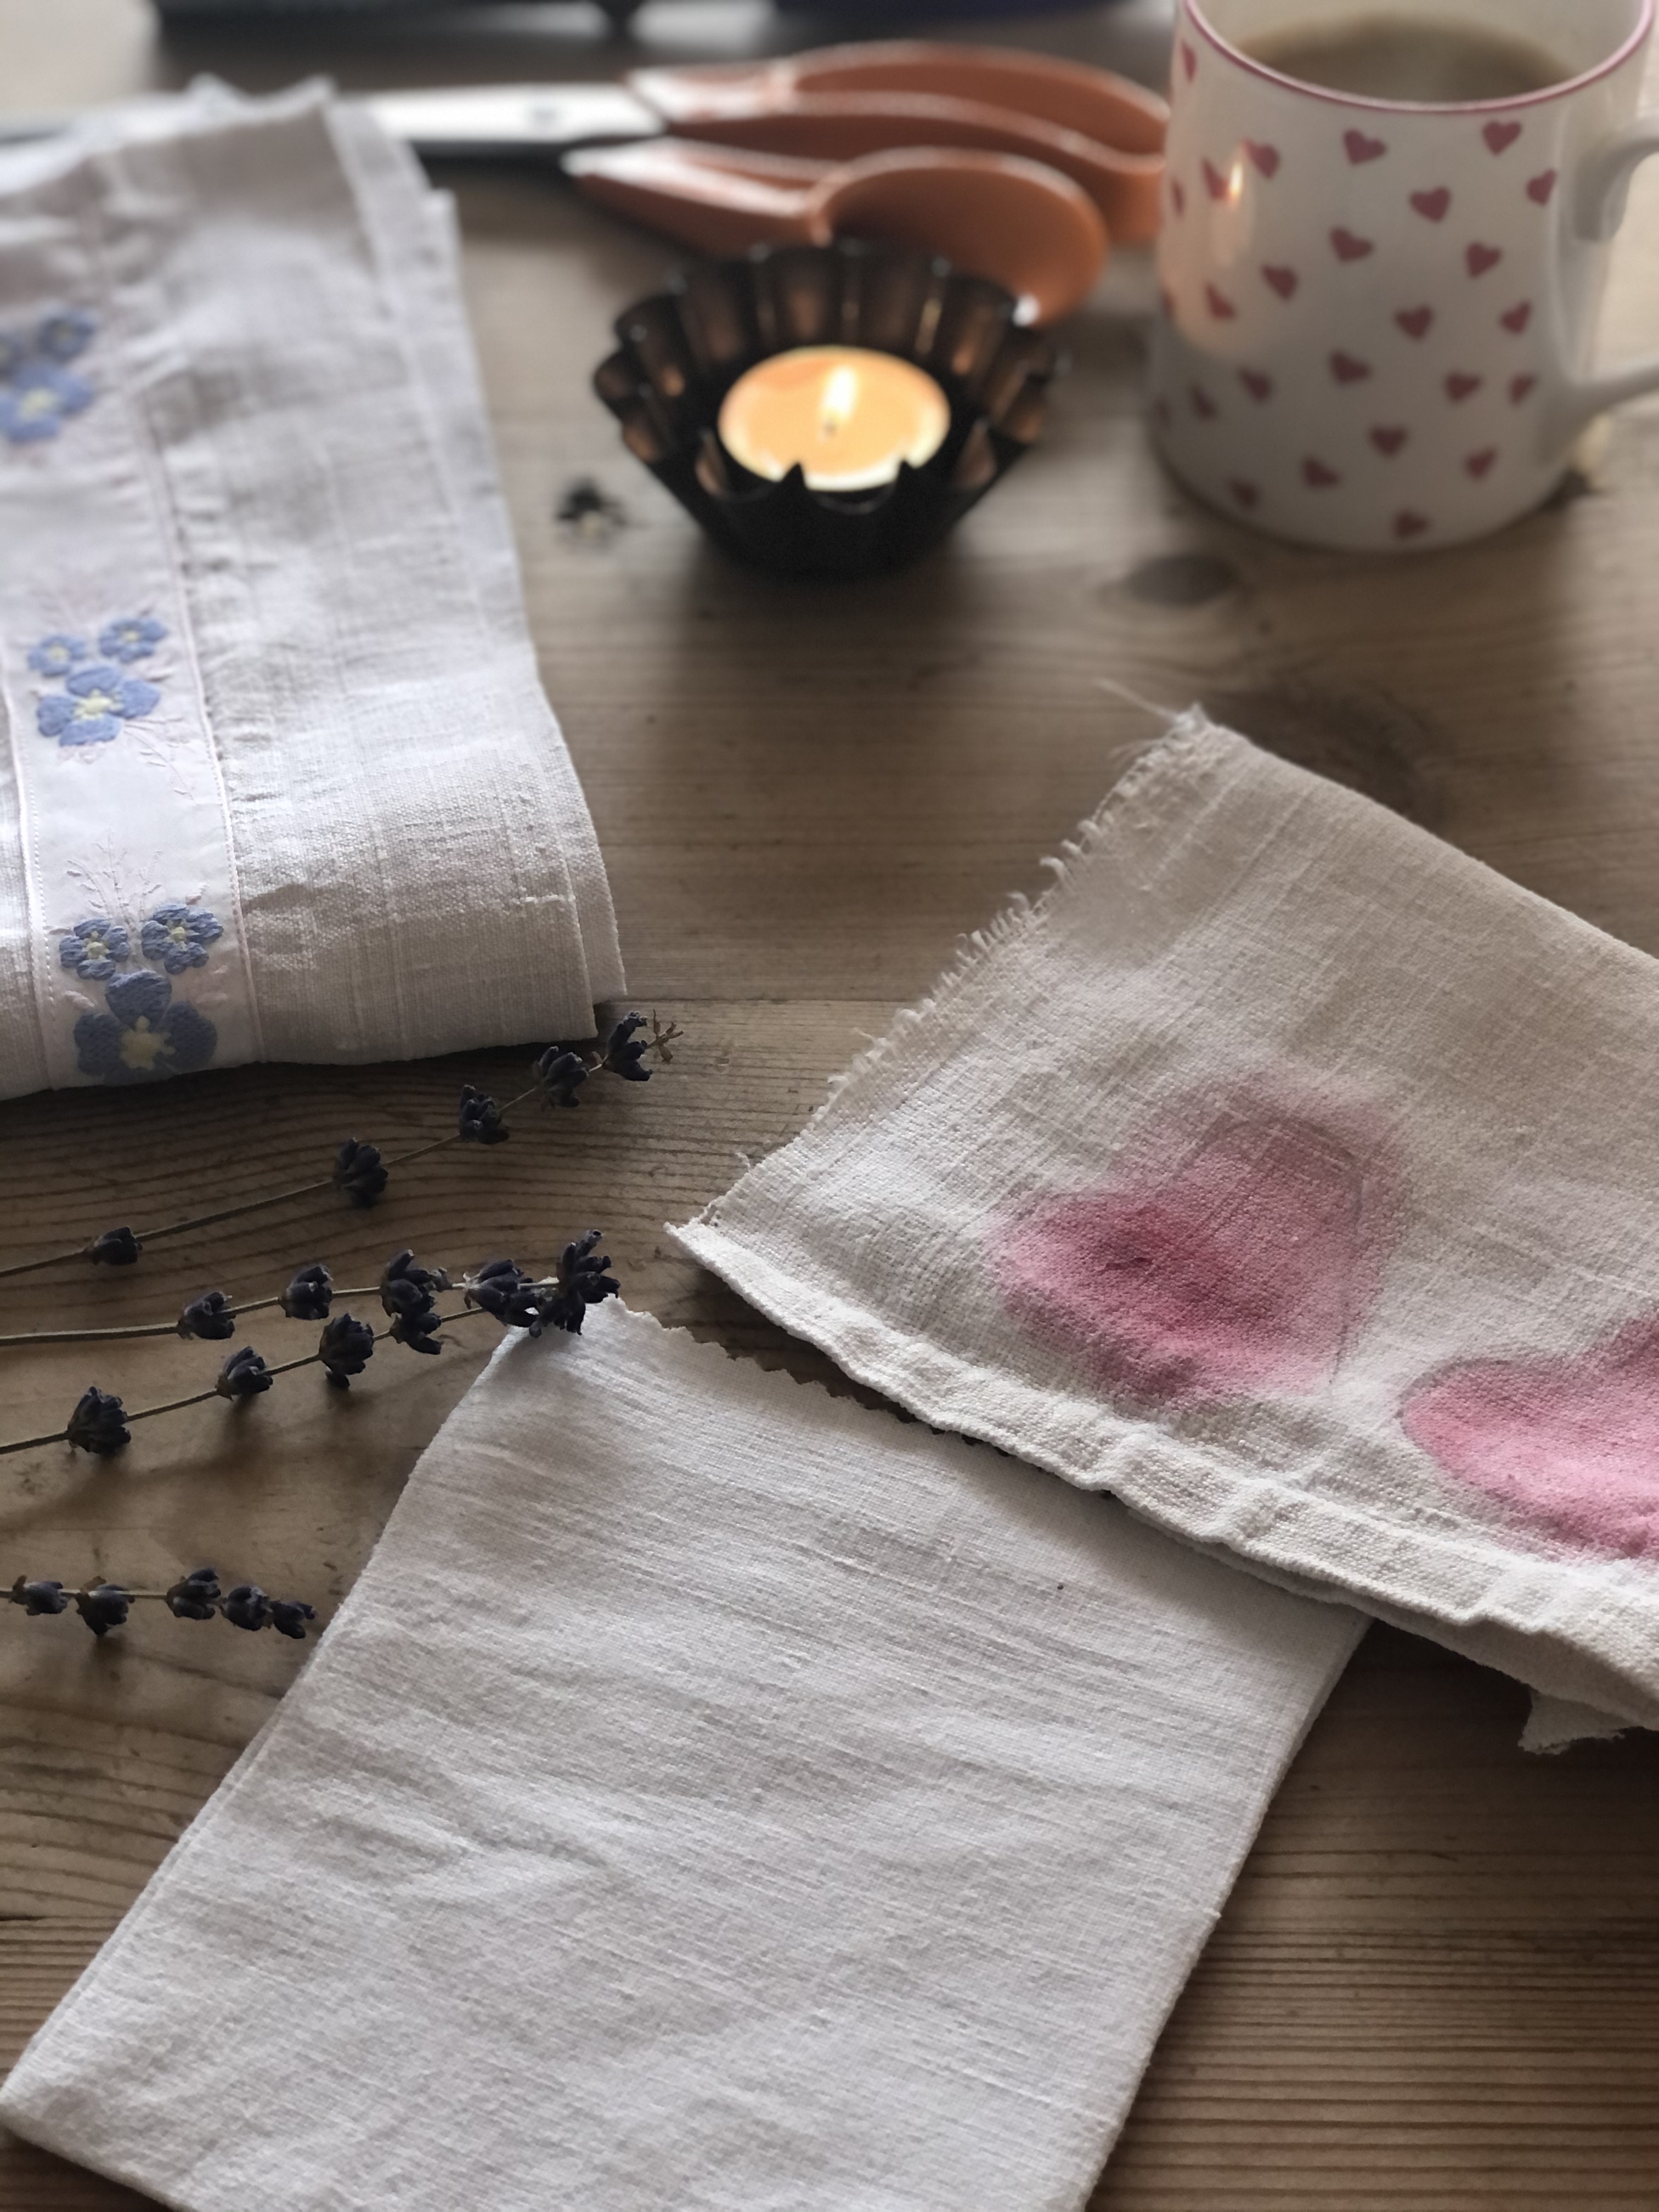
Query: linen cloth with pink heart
1291, 1176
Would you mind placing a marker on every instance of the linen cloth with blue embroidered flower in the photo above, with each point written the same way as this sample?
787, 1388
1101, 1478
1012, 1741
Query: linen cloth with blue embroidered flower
1291, 1176
711, 1794
280, 782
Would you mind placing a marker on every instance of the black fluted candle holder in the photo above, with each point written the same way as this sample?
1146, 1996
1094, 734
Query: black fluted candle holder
680, 352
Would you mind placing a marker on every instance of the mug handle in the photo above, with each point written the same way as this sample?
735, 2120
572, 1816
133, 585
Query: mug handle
1599, 201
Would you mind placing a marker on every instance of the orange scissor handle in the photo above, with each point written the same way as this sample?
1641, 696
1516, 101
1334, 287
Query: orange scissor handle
839, 103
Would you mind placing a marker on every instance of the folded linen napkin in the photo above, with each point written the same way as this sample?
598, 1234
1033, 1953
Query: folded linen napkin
281, 781
712, 1794
1291, 1176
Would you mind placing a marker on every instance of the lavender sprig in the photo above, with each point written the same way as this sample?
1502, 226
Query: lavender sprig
361, 1171
196, 1596
100, 1422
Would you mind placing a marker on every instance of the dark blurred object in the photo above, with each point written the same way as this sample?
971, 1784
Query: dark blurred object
681, 351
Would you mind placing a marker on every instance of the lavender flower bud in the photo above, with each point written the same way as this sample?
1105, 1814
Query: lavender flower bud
98, 1423
245, 1607
209, 1315
583, 1282
197, 1596
503, 1289
288, 1616
561, 1074
103, 1607
480, 1120
622, 1055
38, 1597
408, 1288
243, 1375
358, 1171
116, 1248
308, 1295
415, 1330
345, 1348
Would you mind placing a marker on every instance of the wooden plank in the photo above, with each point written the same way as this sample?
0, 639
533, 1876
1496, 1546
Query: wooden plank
1437, 1986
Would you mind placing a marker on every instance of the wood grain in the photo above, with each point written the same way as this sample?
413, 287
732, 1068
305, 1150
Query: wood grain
1437, 1986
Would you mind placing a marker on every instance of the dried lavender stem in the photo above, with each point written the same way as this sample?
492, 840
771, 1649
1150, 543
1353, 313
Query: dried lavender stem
251, 1204
156, 1327
201, 1397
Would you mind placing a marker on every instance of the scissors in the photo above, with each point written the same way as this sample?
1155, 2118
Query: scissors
1017, 165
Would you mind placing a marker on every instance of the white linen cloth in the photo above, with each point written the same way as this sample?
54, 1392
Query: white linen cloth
281, 782
1291, 1176
713, 1793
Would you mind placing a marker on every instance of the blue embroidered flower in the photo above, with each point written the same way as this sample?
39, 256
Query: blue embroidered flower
62, 335
93, 705
144, 1035
178, 937
94, 949
131, 638
37, 400
57, 654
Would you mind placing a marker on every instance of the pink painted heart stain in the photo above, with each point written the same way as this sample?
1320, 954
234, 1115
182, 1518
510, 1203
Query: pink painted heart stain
1239, 1267
1571, 1444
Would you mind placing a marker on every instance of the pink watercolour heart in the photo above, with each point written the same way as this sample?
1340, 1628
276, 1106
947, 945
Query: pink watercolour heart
1478, 258
1497, 136
1348, 247
1519, 387
1346, 370
1459, 385
1177, 196
1414, 321
1188, 61
1243, 491
1388, 437
1218, 304
1284, 281
1240, 1266
1517, 318
1478, 464
1433, 205
1540, 187
1202, 403
1258, 385
1409, 524
1266, 158
1570, 1445
1317, 477
1359, 148
1214, 183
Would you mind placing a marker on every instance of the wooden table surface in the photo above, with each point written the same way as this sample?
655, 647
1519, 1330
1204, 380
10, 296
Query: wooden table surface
1436, 1985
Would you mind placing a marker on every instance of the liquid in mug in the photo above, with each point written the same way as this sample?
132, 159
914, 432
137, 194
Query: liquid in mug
1427, 63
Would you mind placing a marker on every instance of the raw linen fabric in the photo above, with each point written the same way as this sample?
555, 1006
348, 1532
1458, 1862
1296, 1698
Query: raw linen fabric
713, 1793
281, 781
1291, 1176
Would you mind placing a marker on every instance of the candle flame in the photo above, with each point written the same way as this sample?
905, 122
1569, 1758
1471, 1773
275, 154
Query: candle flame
840, 392
1236, 184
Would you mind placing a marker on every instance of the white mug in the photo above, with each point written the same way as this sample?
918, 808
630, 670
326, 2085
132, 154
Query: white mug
1377, 317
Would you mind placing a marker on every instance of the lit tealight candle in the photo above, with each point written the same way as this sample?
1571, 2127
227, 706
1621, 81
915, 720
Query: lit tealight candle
851, 417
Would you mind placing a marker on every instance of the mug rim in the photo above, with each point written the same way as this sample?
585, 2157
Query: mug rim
1621, 53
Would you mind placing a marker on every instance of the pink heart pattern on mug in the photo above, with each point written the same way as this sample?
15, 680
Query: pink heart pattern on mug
1568, 1443
1348, 247
1432, 205
1540, 187
1498, 136
1266, 158
1361, 148
1478, 258
1415, 321
1239, 1263
1346, 370
1284, 281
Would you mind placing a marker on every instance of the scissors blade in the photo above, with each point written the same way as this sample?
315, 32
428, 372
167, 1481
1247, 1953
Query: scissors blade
509, 118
